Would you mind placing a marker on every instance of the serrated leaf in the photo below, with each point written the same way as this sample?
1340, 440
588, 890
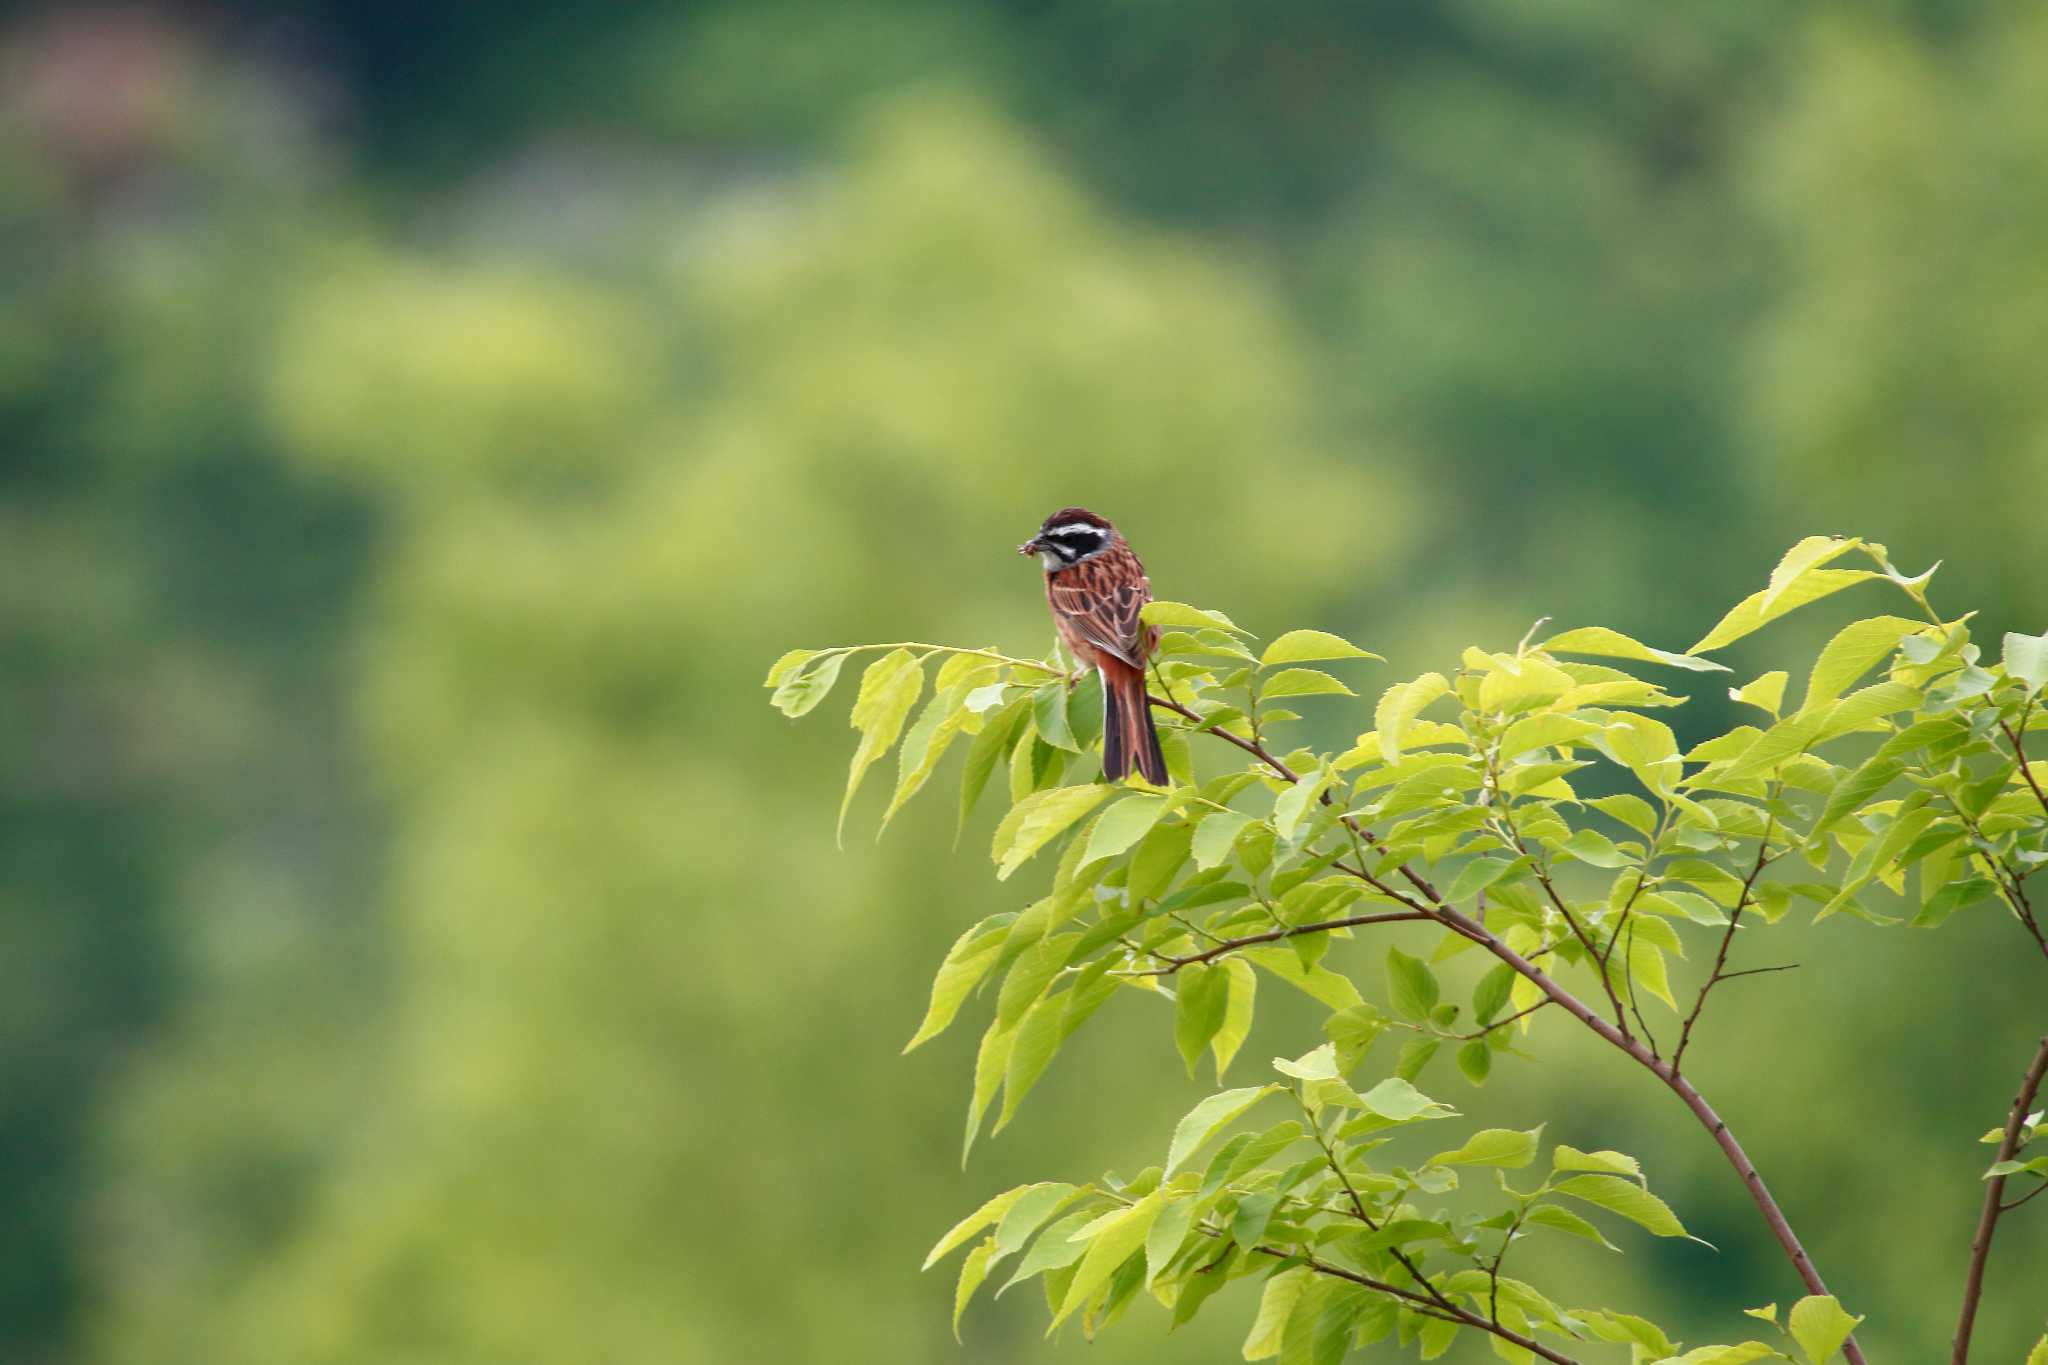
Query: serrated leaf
973, 1271
1564, 1220
2039, 1355
1411, 986
2026, 658
785, 665
888, 689
1181, 614
985, 1216
1038, 1203
1396, 1099
1612, 644
984, 754
1049, 713
1200, 1123
1302, 682
1168, 1231
1037, 820
1204, 998
1237, 1014
1304, 646
1766, 693
1317, 1064
1626, 1198
800, 692
1277, 1302
1122, 825
1478, 874
1108, 1250
1399, 705
1504, 1147
1761, 608
966, 962
1742, 1354
1054, 1249
1215, 836
1854, 651
1820, 1326
1565, 1158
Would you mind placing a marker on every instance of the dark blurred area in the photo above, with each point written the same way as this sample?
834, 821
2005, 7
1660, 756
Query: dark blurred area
421, 424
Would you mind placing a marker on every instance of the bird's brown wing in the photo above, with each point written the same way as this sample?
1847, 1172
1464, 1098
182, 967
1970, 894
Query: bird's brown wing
1100, 599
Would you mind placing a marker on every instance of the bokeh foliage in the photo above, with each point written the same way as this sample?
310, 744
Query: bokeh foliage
421, 430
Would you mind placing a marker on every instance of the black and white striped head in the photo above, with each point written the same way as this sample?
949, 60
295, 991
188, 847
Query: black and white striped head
1069, 536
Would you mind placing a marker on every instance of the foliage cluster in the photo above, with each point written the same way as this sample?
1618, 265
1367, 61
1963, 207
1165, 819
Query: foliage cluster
1532, 806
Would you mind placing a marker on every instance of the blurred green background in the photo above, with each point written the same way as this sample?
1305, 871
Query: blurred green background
419, 942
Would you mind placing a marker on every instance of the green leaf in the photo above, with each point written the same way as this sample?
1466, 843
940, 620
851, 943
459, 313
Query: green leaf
1049, 710
923, 747
1493, 1147
1759, 609
1201, 1122
1564, 1220
973, 1271
800, 693
1181, 614
1237, 1013
1809, 554
1038, 1203
1475, 1060
1854, 651
1564, 1158
1302, 682
1297, 801
1411, 986
1216, 835
1591, 846
1478, 874
888, 689
1277, 1302
1399, 705
787, 664
1037, 820
2039, 1355
985, 753
2026, 658
1766, 693
966, 962
1490, 996
1053, 1249
1724, 1355
1304, 646
1319, 1063
1169, 1230
1396, 1099
1112, 1244
1612, 644
974, 1222
1626, 1198
1248, 1222
1820, 1326
1204, 999
1122, 825
1544, 731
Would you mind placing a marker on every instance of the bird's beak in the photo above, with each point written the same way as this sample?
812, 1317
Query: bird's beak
1030, 547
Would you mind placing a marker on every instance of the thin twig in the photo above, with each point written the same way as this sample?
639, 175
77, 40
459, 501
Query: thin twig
1721, 972
1231, 945
1994, 1192
1463, 1315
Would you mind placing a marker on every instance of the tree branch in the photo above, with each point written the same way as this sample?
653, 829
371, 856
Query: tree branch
1451, 918
1994, 1192
1231, 945
1720, 972
1455, 1313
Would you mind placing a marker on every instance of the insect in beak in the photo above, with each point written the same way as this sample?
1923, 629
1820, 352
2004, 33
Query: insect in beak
1031, 546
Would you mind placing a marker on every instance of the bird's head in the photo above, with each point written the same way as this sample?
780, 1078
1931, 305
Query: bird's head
1069, 536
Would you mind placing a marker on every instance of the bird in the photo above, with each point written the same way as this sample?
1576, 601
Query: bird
1096, 587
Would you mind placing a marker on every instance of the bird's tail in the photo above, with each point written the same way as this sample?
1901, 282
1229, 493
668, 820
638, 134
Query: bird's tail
1128, 735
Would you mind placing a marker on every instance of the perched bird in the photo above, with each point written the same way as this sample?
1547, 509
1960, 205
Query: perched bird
1096, 587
